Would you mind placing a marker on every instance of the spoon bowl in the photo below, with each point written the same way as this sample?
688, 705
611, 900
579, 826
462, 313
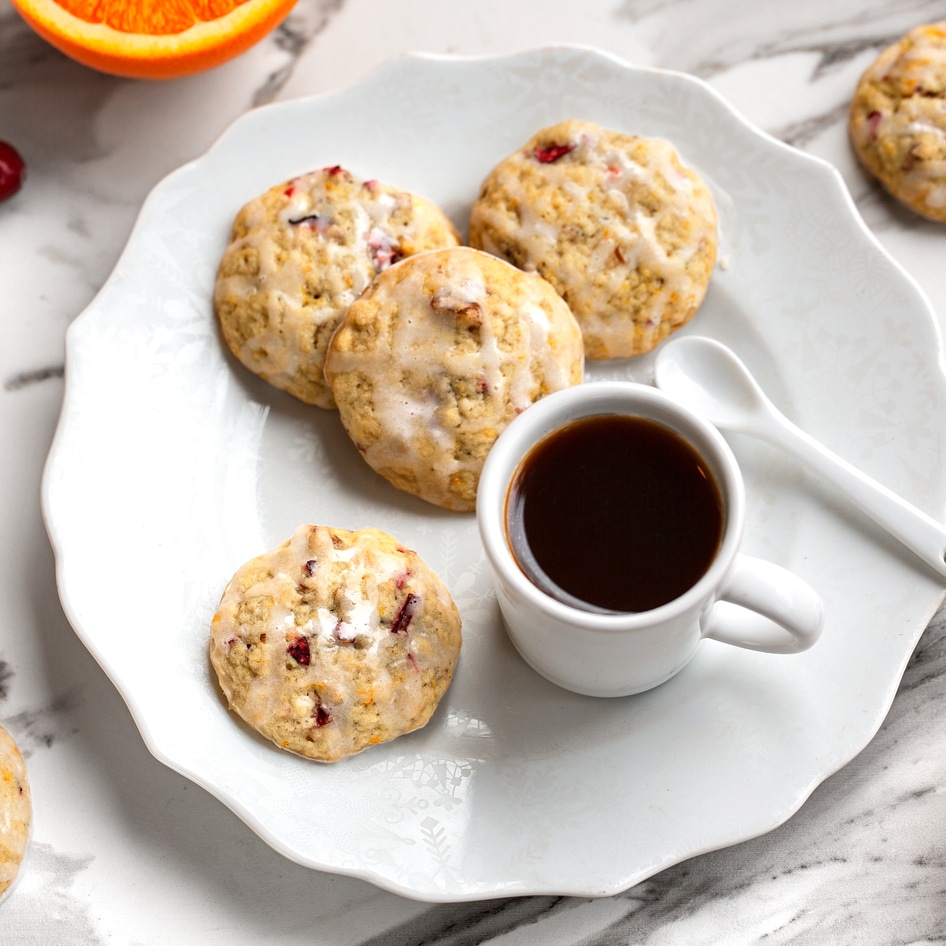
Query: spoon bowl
706, 376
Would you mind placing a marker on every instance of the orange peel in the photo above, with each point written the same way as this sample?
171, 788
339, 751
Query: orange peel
153, 39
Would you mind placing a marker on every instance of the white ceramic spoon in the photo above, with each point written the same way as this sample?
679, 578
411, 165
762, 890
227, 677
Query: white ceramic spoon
707, 377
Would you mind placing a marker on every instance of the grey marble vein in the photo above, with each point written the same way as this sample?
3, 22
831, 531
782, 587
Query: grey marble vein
23, 379
293, 35
749, 30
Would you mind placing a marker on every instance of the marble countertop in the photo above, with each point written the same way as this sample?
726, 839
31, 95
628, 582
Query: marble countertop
126, 851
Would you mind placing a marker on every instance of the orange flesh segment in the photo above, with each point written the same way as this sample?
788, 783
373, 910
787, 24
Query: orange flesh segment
150, 17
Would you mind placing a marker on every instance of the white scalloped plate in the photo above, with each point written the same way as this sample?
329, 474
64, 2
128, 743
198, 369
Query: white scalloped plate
171, 466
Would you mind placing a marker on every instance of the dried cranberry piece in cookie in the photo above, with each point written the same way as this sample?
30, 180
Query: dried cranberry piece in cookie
403, 619
384, 251
552, 153
298, 649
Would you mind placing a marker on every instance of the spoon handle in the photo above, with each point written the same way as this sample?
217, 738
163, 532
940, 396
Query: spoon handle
916, 530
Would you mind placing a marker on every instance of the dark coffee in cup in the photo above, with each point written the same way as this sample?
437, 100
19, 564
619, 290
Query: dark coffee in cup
614, 512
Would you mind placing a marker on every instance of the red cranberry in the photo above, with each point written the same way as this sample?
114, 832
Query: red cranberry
384, 252
12, 170
298, 649
403, 619
551, 153
400, 580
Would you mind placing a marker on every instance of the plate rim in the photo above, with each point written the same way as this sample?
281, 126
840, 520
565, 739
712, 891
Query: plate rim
85, 319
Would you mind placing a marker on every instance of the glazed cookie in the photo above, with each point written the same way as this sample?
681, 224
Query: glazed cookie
898, 120
619, 226
335, 641
298, 255
16, 811
437, 356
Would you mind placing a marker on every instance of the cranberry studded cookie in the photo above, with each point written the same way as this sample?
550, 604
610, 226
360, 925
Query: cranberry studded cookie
437, 356
297, 257
16, 811
616, 223
335, 641
898, 120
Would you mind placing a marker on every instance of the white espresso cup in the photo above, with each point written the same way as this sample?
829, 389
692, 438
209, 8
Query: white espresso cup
598, 650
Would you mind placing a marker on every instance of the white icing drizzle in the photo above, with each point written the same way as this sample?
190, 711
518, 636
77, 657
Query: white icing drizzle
627, 231
331, 634
352, 219
437, 293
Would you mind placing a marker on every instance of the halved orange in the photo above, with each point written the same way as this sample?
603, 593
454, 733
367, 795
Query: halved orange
153, 39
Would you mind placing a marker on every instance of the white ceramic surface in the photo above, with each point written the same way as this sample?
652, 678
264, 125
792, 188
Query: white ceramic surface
170, 467
709, 378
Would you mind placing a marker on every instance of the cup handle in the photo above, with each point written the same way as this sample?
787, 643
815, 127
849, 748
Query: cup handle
775, 593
